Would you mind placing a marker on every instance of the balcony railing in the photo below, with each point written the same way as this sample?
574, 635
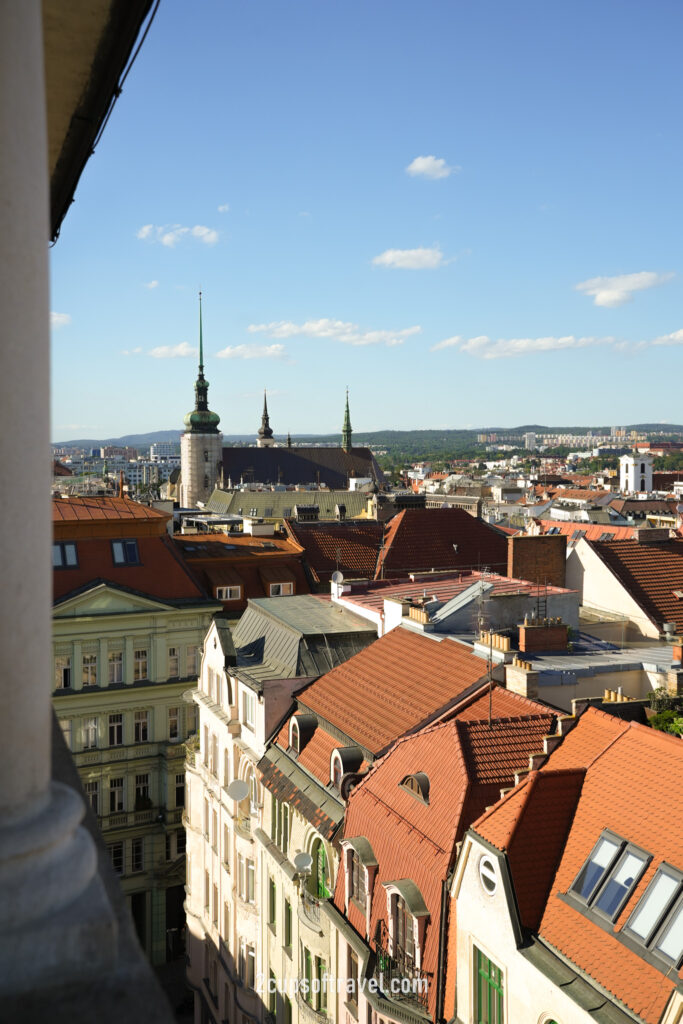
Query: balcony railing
308, 1010
243, 824
309, 909
398, 976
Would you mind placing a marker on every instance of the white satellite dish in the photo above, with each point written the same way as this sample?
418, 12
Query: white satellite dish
337, 577
303, 863
238, 790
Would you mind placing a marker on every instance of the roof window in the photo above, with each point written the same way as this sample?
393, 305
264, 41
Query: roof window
657, 920
125, 552
64, 555
610, 875
417, 785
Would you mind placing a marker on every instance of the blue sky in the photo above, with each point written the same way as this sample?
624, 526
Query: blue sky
468, 211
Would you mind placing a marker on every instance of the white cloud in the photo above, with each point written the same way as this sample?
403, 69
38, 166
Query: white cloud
252, 352
337, 330
224, 207
206, 235
410, 259
58, 320
447, 343
484, 347
151, 284
181, 351
675, 338
132, 351
430, 167
615, 291
170, 234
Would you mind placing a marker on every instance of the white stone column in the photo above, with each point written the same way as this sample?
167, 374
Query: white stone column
52, 905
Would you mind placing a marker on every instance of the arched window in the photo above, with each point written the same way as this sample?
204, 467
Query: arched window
417, 785
404, 931
252, 782
337, 771
320, 879
294, 737
642, 483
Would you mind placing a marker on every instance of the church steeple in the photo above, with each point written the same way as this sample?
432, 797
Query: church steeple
201, 420
346, 429
265, 433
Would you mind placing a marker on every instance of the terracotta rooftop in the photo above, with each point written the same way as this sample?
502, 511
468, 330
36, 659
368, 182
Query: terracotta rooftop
396, 684
644, 506
624, 765
160, 572
440, 538
651, 573
592, 531
101, 507
351, 547
443, 587
466, 763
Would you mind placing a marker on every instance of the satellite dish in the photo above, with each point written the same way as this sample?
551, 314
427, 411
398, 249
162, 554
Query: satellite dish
303, 863
238, 790
337, 577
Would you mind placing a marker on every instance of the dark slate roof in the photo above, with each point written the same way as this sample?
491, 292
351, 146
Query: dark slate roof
288, 782
286, 637
281, 504
274, 465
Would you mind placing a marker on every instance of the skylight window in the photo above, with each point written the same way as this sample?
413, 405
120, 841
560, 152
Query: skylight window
595, 868
621, 882
125, 552
650, 911
670, 943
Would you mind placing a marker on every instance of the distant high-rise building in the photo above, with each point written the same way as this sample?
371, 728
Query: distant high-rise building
530, 441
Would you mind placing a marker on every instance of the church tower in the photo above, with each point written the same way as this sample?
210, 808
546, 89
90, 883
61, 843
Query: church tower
201, 446
346, 429
265, 437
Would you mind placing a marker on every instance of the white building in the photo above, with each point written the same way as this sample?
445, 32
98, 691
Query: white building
635, 473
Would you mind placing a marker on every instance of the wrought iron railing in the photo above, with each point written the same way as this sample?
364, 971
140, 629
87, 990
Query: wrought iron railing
397, 974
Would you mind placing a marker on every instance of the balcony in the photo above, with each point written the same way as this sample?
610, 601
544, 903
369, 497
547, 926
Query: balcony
307, 1010
243, 824
309, 911
398, 977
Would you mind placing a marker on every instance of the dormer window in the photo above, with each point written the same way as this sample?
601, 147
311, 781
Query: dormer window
294, 737
404, 932
418, 786
342, 761
125, 552
337, 771
358, 886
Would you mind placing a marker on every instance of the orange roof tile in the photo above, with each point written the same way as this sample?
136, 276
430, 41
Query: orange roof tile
650, 573
624, 765
592, 531
101, 507
466, 763
160, 573
351, 547
396, 684
440, 538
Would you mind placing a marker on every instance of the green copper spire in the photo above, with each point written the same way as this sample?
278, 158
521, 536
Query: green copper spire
346, 429
201, 420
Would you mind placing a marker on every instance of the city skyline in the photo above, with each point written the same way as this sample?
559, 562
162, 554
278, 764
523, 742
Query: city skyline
450, 211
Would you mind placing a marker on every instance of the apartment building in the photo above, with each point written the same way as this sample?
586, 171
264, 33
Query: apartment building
128, 625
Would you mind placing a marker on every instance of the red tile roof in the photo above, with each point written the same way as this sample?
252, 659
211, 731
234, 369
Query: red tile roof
625, 764
466, 763
650, 573
160, 573
593, 531
100, 507
351, 547
396, 684
423, 539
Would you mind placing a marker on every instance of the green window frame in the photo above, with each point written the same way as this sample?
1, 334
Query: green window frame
488, 990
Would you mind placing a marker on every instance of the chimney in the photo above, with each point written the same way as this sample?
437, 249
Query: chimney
540, 559
543, 636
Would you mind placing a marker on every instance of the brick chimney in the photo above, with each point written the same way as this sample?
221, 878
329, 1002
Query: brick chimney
539, 559
549, 635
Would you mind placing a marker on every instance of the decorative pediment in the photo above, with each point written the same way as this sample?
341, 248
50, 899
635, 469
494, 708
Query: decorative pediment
106, 599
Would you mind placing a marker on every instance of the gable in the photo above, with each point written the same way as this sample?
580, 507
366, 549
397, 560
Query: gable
106, 599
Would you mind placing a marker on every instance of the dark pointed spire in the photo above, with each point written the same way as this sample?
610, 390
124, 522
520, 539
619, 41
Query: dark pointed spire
265, 433
289, 440
201, 420
346, 429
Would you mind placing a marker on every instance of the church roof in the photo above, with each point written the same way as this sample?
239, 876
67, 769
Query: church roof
281, 504
330, 466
